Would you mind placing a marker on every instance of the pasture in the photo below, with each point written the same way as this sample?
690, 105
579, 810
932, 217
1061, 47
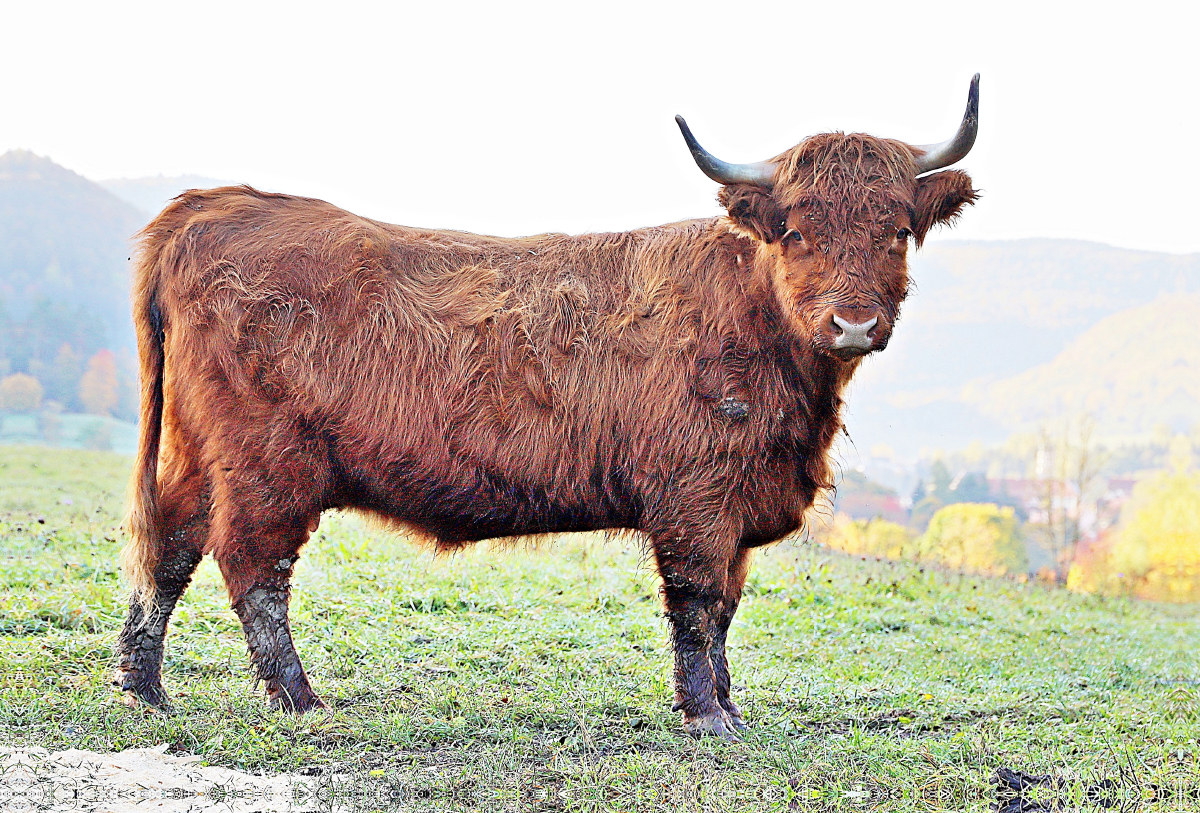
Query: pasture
513, 676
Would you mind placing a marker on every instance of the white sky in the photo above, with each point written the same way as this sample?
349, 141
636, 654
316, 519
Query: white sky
520, 118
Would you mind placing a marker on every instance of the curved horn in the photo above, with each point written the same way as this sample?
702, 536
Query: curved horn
760, 173
936, 156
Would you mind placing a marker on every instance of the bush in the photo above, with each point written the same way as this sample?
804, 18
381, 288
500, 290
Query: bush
1155, 551
20, 393
974, 537
876, 537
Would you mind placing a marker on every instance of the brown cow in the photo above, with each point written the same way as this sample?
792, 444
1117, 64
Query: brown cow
683, 381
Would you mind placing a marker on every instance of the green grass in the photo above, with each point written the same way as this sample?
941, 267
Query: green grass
494, 675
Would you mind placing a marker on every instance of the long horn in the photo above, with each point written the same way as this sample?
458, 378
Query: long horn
760, 173
936, 156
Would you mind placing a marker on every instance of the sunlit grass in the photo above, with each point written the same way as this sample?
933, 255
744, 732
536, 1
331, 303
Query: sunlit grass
508, 670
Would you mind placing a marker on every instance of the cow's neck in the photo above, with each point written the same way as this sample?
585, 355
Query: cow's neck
815, 380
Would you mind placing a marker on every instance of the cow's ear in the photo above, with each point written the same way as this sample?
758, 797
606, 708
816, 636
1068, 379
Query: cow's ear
940, 199
753, 208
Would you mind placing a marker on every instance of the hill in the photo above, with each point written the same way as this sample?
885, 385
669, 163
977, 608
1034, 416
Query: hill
985, 312
64, 243
1131, 371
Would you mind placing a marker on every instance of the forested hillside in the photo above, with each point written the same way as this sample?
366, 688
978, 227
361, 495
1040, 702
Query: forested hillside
64, 291
1131, 371
64, 275
981, 314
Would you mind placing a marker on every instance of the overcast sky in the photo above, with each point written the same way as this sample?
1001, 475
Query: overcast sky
521, 118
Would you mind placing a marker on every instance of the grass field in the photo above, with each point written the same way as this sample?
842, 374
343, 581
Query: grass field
496, 678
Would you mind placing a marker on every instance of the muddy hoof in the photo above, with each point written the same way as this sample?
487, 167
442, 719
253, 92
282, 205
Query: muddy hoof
299, 704
141, 692
735, 715
717, 723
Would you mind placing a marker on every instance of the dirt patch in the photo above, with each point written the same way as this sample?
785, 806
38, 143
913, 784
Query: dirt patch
142, 779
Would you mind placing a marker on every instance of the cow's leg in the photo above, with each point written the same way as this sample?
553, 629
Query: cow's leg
729, 604
183, 502
256, 552
694, 587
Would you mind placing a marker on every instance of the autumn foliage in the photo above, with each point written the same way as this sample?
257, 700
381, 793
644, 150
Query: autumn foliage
1154, 553
20, 393
972, 537
99, 389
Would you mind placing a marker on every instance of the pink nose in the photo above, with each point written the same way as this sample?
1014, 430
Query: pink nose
853, 336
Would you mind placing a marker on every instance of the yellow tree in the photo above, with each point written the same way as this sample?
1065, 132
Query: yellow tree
974, 537
98, 388
1157, 550
876, 537
20, 393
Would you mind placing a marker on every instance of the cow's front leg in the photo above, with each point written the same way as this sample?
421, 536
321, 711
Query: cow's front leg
728, 607
694, 589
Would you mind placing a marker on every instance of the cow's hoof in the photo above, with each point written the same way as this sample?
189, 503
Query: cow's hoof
303, 701
735, 715
716, 723
141, 692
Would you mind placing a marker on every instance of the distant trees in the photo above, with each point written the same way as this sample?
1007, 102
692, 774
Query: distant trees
98, 388
973, 537
1066, 468
20, 393
62, 375
31, 344
945, 489
1154, 552
874, 537
63, 349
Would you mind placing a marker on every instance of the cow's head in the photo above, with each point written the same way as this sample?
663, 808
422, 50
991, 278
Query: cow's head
833, 218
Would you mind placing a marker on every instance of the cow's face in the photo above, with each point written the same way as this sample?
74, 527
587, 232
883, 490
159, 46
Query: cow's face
833, 218
834, 229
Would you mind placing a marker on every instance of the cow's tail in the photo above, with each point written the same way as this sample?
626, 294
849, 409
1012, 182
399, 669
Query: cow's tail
142, 552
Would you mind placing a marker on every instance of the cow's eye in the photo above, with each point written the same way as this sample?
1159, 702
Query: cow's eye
903, 234
792, 236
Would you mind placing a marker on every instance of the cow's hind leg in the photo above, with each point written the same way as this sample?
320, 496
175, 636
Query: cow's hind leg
256, 553
184, 505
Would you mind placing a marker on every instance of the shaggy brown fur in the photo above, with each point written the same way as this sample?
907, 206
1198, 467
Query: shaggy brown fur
676, 380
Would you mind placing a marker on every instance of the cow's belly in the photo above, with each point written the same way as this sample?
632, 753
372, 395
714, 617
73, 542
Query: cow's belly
473, 505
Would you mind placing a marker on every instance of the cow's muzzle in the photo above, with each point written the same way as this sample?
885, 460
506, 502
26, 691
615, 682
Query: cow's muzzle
854, 332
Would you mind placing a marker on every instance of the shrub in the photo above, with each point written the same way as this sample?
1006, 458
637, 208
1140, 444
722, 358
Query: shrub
875, 537
974, 537
20, 393
1154, 552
